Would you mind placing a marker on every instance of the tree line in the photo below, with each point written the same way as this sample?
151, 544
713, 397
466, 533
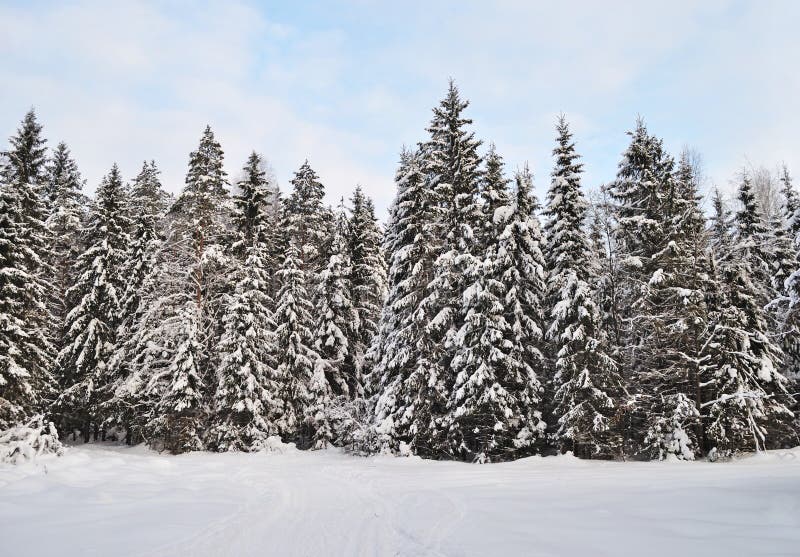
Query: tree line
475, 324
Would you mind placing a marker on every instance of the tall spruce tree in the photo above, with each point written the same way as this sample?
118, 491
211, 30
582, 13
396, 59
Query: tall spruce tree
247, 390
745, 394
147, 205
411, 394
494, 408
367, 273
337, 323
25, 320
587, 386
91, 329
187, 306
65, 219
452, 165
304, 391
655, 211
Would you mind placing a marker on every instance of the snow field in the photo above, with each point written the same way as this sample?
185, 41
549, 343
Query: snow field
101, 500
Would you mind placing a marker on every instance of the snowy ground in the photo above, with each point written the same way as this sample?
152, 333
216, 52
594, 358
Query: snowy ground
111, 501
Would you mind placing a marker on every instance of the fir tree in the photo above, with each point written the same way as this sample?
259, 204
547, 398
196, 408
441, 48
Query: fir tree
25, 320
26, 160
304, 391
411, 394
307, 218
494, 408
147, 205
452, 165
24, 359
91, 329
663, 295
338, 321
246, 391
64, 229
587, 386
367, 273
745, 395
185, 311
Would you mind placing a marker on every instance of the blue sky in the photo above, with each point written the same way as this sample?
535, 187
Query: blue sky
346, 84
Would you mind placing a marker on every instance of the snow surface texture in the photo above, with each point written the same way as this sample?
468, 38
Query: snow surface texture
100, 500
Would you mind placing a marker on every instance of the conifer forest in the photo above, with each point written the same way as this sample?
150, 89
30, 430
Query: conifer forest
645, 318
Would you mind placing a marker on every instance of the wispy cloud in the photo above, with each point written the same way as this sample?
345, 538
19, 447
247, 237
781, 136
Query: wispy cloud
347, 84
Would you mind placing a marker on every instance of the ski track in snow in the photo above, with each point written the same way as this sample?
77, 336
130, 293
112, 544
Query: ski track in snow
105, 500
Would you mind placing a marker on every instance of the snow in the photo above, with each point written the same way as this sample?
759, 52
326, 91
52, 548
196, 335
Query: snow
105, 500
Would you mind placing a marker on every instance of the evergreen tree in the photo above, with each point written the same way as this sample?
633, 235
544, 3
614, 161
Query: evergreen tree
337, 324
25, 321
452, 165
304, 391
307, 218
24, 359
91, 329
246, 391
146, 207
64, 230
367, 274
411, 393
494, 407
26, 162
745, 395
587, 386
663, 295
184, 312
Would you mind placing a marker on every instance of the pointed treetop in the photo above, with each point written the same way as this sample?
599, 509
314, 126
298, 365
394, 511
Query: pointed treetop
26, 157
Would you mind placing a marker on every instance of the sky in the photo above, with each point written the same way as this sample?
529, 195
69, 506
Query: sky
347, 84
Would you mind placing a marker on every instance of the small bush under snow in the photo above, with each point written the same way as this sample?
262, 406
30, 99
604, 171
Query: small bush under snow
29, 441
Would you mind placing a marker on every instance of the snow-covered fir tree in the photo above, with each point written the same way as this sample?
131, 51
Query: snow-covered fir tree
494, 408
410, 391
587, 386
91, 324
147, 205
247, 391
452, 166
180, 328
337, 323
307, 219
657, 215
745, 395
65, 219
25, 322
367, 273
304, 390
